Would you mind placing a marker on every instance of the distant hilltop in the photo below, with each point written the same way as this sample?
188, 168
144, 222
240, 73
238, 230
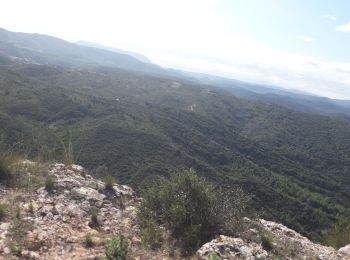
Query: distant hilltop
138, 56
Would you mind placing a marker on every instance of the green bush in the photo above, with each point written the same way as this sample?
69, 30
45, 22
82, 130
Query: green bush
31, 208
6, 174
151, 234
266, 241
36, 179
2, 211
109, 182
68, 153
117, 248
213, 257
88, 241
18, 214
339, 235
94, 218
16, 250
50, 183
190, 208
17, 233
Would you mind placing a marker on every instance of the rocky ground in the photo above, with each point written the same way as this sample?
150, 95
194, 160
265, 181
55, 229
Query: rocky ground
54, 223
280, 242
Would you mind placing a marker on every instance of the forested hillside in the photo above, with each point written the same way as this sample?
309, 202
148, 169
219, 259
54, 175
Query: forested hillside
137, 127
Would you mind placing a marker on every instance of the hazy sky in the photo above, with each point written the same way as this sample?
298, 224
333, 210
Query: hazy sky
300, 44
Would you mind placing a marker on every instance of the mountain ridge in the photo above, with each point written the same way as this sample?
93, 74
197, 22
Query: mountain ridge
43, 49
138, 56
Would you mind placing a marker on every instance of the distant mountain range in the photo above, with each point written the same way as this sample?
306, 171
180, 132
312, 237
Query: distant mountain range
138, 56
293, 99
46, 50
43, 49
138, 121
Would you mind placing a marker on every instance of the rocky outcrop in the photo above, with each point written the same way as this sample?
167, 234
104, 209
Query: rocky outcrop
59, 221
285, 244
304, 245
231, 248
53, 223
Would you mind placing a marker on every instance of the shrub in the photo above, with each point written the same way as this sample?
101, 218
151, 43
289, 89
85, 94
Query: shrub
2, 211
17, 233
88, 241
68, 153
151, 234
6, 173
287, 248
339, 235
50, 183
18, 213
36, 179
94, 218
16, 250
109, 182
266, 241
31, 208
117, 248
189, 207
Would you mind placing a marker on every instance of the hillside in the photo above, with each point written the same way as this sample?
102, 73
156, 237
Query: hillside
42, 49
137, 127
292, 99
76, 216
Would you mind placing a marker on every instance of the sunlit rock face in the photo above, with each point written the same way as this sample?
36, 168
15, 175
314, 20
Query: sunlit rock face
279, 241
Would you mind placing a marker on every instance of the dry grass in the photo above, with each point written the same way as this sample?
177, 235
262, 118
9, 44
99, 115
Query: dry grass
8, 168
3, 211
109, 182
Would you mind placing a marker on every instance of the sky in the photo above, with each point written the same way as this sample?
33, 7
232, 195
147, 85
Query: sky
295, 44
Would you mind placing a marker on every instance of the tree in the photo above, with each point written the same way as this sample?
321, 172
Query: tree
190, 208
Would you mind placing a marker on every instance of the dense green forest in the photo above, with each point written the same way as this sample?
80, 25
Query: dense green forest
138, 127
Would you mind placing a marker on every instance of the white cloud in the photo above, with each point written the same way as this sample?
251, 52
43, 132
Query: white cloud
305, 38
329, 17
343, 28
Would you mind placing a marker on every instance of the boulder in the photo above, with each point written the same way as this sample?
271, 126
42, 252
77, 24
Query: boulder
345, 251
77, 167
90, 194
225, 247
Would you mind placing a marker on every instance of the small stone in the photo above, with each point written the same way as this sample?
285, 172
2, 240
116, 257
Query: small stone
5, 226
90, 194
93, 232
136, 241
71, 239
106, 229
77, 167
34, 255
7, 251
97, 241
25, 253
